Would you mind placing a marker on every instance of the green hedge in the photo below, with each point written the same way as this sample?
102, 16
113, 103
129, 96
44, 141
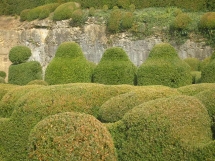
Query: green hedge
194, 63
72, 136
39, 103
164, 67
164, 129
115, 108
22, 74
115, 68
19, 54
65, 10
69, 65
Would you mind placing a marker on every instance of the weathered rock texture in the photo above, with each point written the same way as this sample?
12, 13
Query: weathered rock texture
43, 38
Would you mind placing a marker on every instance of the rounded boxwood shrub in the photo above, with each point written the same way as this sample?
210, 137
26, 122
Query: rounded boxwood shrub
71, 136
22, 74
164, 67
114, 21
207, 21
19, 54
24, 14
68, 66
115, 108
127, 20
194, 63
65, 10
2, 74
115, 68
77, 17
181, 21
163, 129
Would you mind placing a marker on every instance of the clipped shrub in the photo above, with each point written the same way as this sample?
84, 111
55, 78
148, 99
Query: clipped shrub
24, 14
194, 63
65, 10
194, 89
127, 20
4, 88
181, 22
163, 129
34, 13
115, 68
22, 74
115, 108
114, 20
19, 54
39, 103
85, 138
207, 21
2, 74
208, 72
38, 82
68, 66
77, 17
164, 67
196, 77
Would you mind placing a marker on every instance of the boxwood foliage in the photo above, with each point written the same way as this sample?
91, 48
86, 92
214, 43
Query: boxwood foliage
2, 80
21, 74
19, 54
163, 129
4, 88
194, 89
196, 77
164, 67
207, 21
115, 68
208, 72
2, 74
194, 63
39, 103
38, 82
69, 65
71, 136
115, 108
65, 10
181, 21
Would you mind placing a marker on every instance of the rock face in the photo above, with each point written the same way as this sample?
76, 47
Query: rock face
43, 37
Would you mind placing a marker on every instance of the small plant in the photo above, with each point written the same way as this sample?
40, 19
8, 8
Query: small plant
181, 21
77, 17
105, 8
127, 20
92, 11
114, 21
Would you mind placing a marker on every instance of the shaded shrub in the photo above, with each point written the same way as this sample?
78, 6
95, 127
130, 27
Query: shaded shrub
39, 103
181, 21
115, 108
196, 77
127, 20
115, 68
163, 129
2, 74
19, 54
164, 67
123, 3
77, 18
65, 10
38, 82
24, 14
114, 21
194, 89
194, 63
208, 72
204, 62
2, 80
85, 138
207, 21
34, 13
23, 73
68, 66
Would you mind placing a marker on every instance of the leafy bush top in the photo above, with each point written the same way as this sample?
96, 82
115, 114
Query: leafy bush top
207, 21
181, 21
19, 54
74, 136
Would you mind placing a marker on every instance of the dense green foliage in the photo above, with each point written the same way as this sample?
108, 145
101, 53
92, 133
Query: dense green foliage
65, 10
163, 129
4, 88
23, 73
2, 80
207, 21
85, 138
115, 68
69, 65
19, 54
2, 74
196, 77
194, 63
114, 20
181, 21
115, 108
164, 67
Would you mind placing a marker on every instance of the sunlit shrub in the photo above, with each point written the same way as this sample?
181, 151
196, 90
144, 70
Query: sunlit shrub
19, 54
194, 63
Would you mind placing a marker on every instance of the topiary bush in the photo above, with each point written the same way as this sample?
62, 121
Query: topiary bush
22, 74
69, 65
114, 21
208, 72
164, 67
207, 21
196, 77
71, 136
19, 54
194, 63
204, 62
181, 21
163, 129
24, 14
2, 74
115, 108
65, 10
115, 68
127, 20
4, 88
77, 17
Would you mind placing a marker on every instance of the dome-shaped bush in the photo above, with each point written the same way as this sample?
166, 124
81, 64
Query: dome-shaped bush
115, 68
181, 21
115, 108
71, 136
164, 67
2, 74
194, 63
69, 65
163, 129
114, 20
19, 54
65, 10
207, 21
208, 72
